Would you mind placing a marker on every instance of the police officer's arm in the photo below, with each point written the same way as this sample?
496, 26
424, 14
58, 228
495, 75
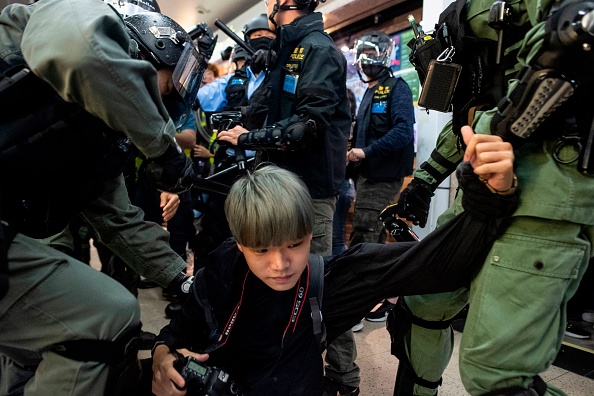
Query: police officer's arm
144, 246
86, 61
316, 103
415, 199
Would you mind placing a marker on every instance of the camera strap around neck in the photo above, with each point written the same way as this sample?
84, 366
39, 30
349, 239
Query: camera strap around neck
300, 294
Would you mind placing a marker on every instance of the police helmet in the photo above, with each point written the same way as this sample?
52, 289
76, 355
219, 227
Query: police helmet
374, 48
164, 43
159, 37
127, 8
311, 4
258, 23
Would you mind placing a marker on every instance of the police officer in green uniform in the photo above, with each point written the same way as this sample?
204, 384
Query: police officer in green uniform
517, 312
68, 64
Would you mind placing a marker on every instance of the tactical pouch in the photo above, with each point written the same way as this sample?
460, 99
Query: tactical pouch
423, 52
432, 57
440, 84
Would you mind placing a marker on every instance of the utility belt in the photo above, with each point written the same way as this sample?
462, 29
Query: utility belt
54, 156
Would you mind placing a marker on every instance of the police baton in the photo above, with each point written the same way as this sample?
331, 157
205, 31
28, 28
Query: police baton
234, 37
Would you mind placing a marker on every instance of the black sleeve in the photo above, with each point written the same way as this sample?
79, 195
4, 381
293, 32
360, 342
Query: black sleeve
444, 260
189, 329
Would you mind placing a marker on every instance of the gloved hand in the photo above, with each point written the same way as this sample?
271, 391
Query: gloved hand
205, 40
262, 60
414, 202
172, 172
180, 284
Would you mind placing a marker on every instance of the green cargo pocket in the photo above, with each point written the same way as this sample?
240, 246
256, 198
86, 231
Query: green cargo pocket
319, 229
538, 256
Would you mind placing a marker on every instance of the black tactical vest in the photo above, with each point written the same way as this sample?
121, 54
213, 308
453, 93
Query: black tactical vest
54, 156
236, 90
376, 123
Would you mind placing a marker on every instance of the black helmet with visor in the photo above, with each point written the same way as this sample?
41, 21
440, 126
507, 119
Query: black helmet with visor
373, 54
374, 48
164, 43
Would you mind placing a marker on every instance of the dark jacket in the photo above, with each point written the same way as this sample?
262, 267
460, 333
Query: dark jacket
309, 78
267, 357
236, 90
384, 131
258, 354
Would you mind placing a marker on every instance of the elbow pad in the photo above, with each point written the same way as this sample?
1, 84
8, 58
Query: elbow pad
553, 76
294, 137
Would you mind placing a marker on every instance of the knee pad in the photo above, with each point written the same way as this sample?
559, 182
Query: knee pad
120, 355
399, 322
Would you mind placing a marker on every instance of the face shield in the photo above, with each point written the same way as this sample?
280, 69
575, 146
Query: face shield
188, 73
373, 52
187, 76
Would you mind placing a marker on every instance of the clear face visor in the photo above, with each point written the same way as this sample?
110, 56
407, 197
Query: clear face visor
369, 53
188, 73
187, 77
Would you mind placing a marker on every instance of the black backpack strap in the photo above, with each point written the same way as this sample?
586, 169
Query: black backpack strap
316, 285
201, 295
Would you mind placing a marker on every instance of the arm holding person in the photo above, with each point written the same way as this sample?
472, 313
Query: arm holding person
492, 160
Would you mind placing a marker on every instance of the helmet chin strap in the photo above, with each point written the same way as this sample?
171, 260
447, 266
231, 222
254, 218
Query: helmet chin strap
277, 7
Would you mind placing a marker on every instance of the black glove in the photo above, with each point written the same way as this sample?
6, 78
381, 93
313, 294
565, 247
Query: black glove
414, 202
205, 40
180, 284
262, 60
172, 171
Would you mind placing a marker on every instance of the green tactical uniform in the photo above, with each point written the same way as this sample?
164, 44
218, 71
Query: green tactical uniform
51, 297
517, 314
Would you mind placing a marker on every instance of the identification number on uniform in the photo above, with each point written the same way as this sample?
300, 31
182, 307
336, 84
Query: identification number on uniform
290, 84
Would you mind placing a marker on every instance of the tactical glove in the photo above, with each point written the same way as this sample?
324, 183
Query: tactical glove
262, 60
206, 41
172, 172
414, 202
180, 284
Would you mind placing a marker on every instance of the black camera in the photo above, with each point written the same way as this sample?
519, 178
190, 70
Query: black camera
204, 380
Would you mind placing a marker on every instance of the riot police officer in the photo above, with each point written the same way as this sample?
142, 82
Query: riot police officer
517, 312
88, 96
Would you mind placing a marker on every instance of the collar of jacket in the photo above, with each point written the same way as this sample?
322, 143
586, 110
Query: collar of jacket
299, 28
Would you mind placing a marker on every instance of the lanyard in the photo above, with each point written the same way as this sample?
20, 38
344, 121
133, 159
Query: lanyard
300, 294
